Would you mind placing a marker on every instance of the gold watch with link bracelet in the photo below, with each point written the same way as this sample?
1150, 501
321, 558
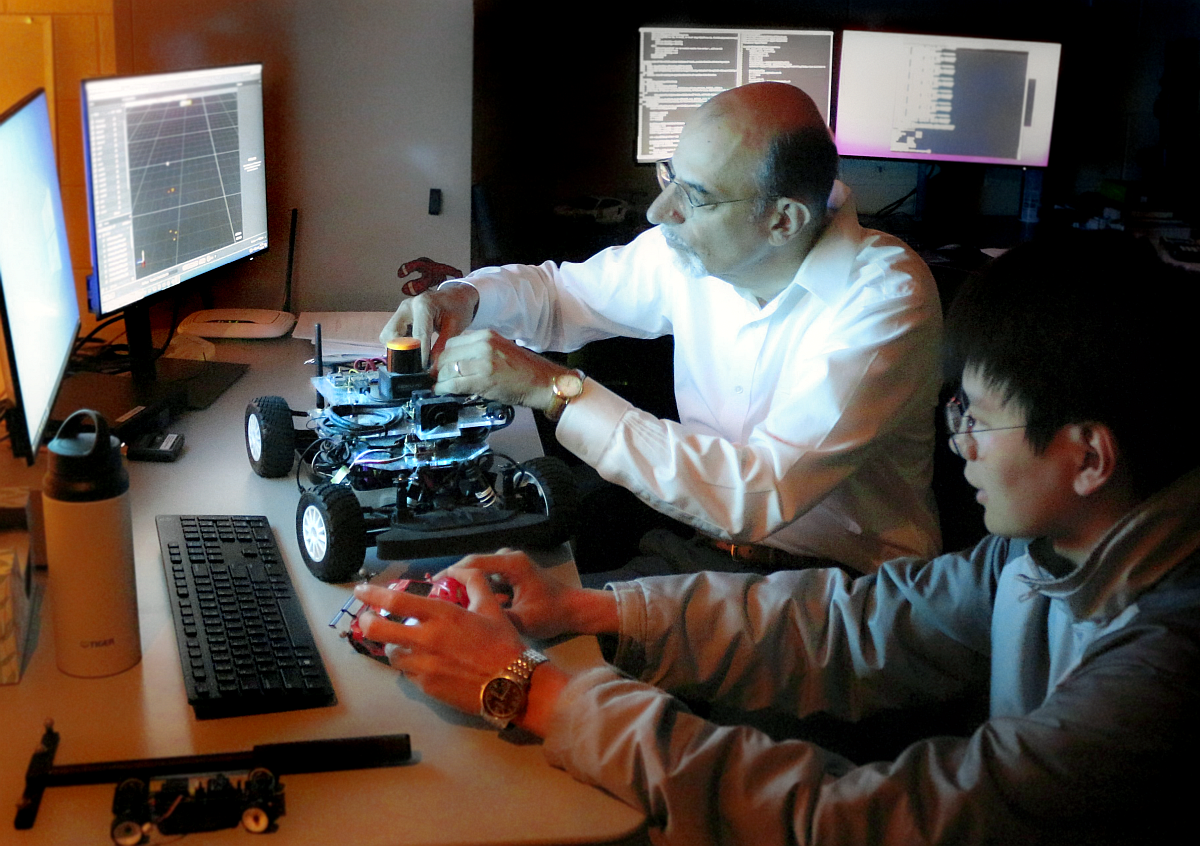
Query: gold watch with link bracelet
566, 387
503, 698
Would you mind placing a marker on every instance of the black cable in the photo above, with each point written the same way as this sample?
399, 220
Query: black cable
88, 337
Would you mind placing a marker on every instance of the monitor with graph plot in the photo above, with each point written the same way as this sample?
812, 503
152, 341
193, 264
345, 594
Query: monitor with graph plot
175, 177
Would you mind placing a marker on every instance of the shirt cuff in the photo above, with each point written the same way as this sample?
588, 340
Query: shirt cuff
590, 420
464, 281
630, 655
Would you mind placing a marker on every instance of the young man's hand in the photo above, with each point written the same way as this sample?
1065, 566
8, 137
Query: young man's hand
451, 653
542, 607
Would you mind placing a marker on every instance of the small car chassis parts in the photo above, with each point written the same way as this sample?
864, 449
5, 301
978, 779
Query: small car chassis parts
151, 792
181, 805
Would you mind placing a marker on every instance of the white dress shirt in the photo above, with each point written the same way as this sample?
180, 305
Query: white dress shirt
806, 424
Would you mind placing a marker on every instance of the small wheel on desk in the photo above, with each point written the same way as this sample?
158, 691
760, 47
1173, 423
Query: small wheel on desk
270, 438
127, 833
331, 532
545, 485
255, 820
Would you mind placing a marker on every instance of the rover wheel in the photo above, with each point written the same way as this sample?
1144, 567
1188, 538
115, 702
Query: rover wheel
270, 438
545, 485
127, 833
331, 531
255, 820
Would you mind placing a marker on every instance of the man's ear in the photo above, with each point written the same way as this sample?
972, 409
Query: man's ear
789, 217
1099, 456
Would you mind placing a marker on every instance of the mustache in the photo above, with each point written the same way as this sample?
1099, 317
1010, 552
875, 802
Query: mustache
677, 243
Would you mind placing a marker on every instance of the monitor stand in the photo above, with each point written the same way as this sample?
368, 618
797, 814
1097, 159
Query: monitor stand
132, 405
154, 390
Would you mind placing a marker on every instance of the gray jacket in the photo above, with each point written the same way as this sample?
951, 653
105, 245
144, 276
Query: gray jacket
1093, 677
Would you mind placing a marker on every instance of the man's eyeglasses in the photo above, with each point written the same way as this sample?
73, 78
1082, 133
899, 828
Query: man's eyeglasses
960, 423
666, 177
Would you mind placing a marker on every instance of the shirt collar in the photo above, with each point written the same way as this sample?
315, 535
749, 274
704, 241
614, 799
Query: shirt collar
826, 270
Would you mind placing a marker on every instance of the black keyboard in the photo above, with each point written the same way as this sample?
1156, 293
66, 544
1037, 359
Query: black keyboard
245, 645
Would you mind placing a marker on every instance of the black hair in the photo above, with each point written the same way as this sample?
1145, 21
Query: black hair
800, 163
1086, 327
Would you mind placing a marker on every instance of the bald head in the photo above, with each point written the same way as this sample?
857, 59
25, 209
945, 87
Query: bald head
762, 110
783, 129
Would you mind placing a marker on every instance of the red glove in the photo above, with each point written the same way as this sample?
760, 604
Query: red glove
430, 274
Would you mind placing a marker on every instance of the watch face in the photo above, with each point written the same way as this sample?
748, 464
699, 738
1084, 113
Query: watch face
568, 385
503, 698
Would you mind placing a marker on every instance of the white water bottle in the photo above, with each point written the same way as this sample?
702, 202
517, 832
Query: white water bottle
89, 551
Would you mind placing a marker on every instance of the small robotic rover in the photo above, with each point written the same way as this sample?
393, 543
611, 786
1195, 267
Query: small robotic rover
180, 805
383, 460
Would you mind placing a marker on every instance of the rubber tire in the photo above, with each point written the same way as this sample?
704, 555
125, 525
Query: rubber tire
256, 820
557, 495
126, 833
269, 433
331, 532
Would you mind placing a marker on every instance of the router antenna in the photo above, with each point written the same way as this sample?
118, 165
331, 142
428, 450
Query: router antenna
287, 284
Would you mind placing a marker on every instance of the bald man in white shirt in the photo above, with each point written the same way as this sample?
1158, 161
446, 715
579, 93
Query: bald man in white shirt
806, 349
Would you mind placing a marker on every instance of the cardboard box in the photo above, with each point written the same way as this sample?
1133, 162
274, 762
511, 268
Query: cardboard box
16, 604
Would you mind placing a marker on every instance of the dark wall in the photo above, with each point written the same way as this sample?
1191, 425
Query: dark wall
556, 93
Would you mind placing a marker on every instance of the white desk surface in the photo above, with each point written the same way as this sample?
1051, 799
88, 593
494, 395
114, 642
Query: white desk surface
465, 784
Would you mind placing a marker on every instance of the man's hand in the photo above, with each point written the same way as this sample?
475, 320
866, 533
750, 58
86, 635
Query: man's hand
542, 607
444, 312
485, 363
451, 652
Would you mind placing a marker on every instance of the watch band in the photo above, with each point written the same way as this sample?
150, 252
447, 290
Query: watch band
563, 397
523, 666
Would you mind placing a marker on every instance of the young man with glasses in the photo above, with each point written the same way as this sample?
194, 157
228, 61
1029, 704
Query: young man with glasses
1077, 621
805, 348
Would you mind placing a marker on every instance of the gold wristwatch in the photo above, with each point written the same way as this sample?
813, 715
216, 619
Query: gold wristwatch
503, 698
566, 387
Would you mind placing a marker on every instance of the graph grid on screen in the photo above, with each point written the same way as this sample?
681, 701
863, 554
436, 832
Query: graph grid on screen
681, 68
185, 176
946, 98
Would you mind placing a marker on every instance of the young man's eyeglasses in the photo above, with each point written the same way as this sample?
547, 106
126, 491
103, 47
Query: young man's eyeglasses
666, 177
959, 423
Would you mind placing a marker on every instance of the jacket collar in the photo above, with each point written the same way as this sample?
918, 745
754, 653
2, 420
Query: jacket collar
1137, 551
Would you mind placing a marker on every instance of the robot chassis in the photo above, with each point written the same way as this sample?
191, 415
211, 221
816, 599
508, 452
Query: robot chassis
383, 460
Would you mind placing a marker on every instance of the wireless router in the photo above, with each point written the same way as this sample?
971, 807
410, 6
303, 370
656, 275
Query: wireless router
238, 323
247, 322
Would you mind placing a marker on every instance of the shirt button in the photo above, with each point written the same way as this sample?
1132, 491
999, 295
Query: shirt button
738, 389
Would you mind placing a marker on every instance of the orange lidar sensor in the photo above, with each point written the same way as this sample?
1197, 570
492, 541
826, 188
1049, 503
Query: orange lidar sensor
404, 355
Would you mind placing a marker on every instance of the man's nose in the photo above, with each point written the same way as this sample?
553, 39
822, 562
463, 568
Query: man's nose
665, 209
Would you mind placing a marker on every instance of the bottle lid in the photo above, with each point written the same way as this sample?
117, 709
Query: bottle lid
85, 465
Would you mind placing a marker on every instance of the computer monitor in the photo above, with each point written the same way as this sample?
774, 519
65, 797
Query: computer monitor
175, 178
176, 187
39, 311
680, 68
946, 98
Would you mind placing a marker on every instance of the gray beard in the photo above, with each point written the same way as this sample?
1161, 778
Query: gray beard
685, 258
